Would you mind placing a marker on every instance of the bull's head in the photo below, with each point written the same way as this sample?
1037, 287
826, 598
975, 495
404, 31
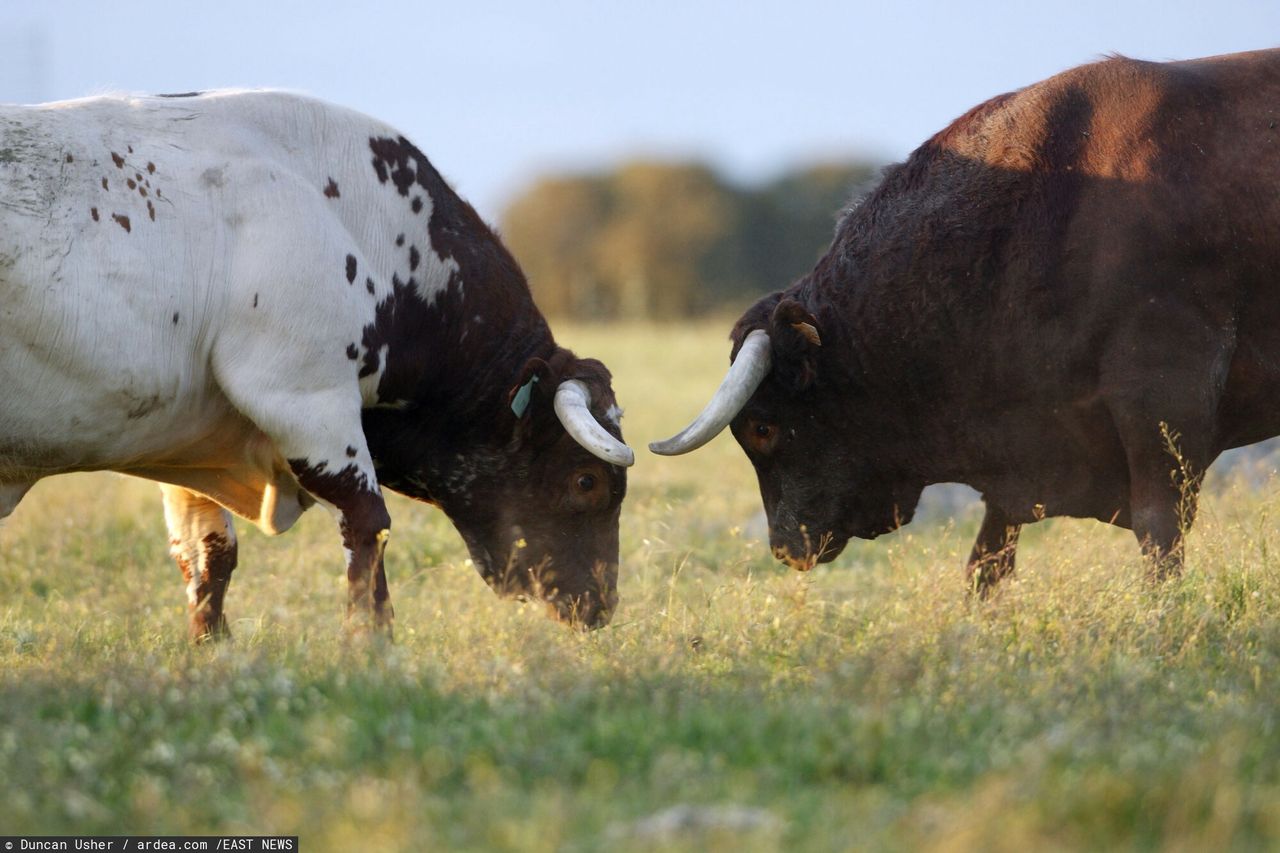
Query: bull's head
537, 496
796, 416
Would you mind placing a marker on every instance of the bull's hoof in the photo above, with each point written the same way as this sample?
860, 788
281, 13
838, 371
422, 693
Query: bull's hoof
983, 588
204, 629
1162, 571
983, 582
371, 626
986, 574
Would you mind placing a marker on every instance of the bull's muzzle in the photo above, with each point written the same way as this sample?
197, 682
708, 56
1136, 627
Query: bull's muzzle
801, 563
586, 611
806, 552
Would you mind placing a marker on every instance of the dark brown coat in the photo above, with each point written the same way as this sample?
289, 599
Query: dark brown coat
1031, 304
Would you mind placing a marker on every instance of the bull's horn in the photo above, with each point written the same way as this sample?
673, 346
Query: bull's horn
745, 375
573, 408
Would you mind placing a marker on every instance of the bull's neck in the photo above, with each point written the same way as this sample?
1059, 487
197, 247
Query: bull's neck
458, 334
489, 342
475, 338
445, 396
877, 355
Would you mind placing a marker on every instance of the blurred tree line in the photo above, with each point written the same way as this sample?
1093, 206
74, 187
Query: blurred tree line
672, 240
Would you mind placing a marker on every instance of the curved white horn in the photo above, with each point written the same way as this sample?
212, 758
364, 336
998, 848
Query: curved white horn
745, 375
573, 408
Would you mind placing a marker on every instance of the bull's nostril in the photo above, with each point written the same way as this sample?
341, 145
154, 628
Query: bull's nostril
802, 563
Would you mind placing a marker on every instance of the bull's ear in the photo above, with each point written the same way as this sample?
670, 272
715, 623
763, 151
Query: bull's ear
533, 382
796, 339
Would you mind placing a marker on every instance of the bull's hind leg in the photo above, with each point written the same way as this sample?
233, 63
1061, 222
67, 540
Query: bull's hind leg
994, 552
203, 543
1165, 467
1162, 503
1164, 376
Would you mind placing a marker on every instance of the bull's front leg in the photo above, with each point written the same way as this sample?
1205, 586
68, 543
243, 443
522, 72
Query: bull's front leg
203, 543
306, 398
365, 525
994, 553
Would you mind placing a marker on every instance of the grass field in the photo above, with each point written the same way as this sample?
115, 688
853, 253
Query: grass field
732, 704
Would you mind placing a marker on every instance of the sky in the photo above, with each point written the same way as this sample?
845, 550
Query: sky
497, 94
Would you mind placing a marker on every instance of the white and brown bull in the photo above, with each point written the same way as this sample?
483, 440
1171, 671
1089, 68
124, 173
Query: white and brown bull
262, 302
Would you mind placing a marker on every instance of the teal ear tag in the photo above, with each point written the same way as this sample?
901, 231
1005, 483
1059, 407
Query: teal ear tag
520, 403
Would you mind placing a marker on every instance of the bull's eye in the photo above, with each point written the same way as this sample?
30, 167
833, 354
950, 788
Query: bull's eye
761, 437
586, 482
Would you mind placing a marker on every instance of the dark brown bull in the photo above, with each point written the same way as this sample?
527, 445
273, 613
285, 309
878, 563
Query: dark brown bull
1036, 303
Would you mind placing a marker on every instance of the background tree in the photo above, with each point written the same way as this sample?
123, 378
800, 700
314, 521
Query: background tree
792, 220
671, 240
551, 229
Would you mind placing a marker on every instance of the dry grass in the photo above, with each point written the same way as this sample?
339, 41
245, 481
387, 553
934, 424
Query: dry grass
869, 704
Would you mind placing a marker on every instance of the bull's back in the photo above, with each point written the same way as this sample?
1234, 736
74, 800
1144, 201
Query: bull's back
1166, 178
1115, 191
1109, 237
109, 296
1200, 229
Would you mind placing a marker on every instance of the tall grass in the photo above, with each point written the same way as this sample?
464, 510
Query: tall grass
732, 705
